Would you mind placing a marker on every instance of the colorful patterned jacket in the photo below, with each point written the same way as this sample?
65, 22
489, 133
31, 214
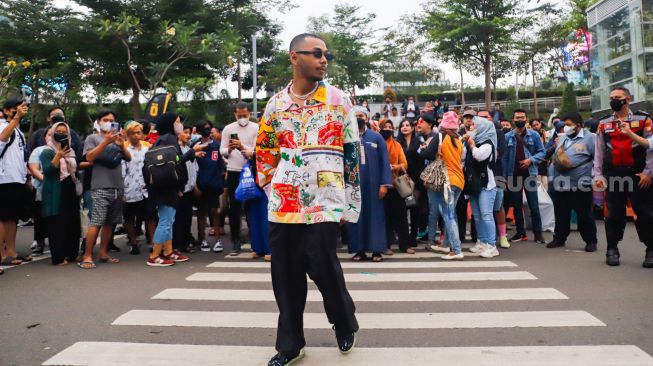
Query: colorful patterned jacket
307, 158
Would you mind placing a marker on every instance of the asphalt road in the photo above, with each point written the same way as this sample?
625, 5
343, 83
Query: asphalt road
44, 310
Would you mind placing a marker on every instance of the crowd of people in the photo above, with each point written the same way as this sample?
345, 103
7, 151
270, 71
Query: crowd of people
456, 164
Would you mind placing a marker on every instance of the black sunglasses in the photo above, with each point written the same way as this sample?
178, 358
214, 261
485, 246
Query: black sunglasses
317, 53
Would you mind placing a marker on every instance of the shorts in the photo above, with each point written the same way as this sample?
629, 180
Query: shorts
138, 211
210, 199
498, 200
107, 207
14, 196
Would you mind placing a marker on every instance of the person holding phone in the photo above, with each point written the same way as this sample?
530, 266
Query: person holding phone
238, 149
60, 194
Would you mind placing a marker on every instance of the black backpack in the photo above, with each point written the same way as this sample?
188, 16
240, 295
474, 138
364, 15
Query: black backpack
160, 167
476, 177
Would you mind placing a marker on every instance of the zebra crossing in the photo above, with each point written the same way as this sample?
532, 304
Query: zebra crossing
484, 281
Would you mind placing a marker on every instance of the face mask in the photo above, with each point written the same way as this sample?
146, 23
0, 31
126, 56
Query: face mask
105, 126
617, 104
411, 102
205, 132
506, 130
179, 128
569, 130
60, 137
361, 123
386, 134
2, 120
243, 122
520, 124
195, 137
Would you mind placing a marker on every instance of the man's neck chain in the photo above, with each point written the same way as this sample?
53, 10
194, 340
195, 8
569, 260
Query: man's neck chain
305, 96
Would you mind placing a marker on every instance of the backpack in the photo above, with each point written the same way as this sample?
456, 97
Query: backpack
160, 167
476, 177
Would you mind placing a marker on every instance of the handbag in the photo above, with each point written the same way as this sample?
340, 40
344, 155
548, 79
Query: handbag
404, 185
436, 175
561, 160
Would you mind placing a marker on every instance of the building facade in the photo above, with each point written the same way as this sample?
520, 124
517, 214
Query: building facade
621, 53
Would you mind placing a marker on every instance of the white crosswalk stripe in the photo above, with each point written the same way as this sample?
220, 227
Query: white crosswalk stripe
394, 274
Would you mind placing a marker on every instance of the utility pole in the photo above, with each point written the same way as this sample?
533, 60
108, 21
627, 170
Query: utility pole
254, 76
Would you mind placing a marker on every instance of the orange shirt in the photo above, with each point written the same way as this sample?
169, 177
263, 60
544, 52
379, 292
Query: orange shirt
452, 157
396, 155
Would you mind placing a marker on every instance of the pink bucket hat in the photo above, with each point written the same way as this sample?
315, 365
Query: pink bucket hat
450, 121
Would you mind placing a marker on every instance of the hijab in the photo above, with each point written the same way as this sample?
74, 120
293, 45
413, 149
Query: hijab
485, 131
165, 123
68, 164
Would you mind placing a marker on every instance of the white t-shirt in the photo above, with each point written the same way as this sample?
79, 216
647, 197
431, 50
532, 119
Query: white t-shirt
247, 136
12, 165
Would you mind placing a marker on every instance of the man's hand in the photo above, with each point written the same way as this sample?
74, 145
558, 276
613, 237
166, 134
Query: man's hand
235, 144
524, 164
599, 184
119, 140
21, 111
110, 137
199, 147
200, 154
645, 181
624, 127
383, 190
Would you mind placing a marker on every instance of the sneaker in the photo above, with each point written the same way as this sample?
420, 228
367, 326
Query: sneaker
555, 244
477, 248
590, 247
519, 237
440, 249
504, 243
29, 222
205, 247
234, 253
177, 257
160, 261
539, 239
346, 342
452, 256
490, 251
135, 249
217, 248
282, 360
37, 248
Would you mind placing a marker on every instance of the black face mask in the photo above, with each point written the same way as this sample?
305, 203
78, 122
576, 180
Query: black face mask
617, 104
506, 130
520, 124
386, 134
361, 123
206, 132
60, 137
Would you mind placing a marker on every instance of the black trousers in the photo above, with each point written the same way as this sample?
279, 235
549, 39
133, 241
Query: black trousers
461, 215
181, 235
396, 219
40, 223
298, 250
235, 208
615, 222
64, 229
583, 204
419, 213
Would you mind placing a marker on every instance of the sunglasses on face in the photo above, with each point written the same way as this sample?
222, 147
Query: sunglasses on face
317, 53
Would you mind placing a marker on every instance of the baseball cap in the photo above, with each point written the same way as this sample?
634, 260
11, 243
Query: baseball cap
469, 112
11, 103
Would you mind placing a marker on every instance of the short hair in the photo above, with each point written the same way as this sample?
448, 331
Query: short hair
188, 127
105, 113
394, 108
241, 105
54, 109
300, 38
625, 90
202, 123
131, 125
428, 119
519, 110
146, 126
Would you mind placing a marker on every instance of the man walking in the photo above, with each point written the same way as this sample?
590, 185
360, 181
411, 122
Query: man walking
307, 154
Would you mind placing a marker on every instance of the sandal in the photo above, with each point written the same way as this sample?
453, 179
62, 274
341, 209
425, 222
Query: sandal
23, 258
86, 265
11, 261
359, 257
376, 257
109, 260
267, 258
410, 251
388, 252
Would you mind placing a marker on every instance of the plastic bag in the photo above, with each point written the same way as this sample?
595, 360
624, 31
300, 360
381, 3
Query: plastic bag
247, 187
546, 210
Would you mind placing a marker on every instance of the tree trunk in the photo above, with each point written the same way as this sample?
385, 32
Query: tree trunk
136, 103
239, 80
537, 114
462, 86
494, 90
33, 110
487, 68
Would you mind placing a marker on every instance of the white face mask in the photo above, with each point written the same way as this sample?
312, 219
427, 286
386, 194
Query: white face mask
2, 120
105, 126
178, 128
243, 122
569, 130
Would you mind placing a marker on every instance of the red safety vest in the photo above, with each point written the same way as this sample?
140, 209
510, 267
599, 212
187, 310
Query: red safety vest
623, 156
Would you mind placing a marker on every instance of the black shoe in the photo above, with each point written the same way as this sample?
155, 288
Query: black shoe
518, 237
648, 260
612, 257
539, 239
281, 360
555, 244
346, 342
590, 247
113, 248
135, 250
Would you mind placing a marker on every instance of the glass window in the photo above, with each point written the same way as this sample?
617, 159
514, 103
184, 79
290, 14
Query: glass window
648, 60
595, 37
647, 35
647, 10
596, 99
616, 23
620, 71
619, 45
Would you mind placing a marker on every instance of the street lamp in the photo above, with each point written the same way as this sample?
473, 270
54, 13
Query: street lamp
254, 76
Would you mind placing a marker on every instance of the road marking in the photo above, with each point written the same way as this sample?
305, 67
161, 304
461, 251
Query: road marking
169, 318
371, 295
345, 255
376, 277
139, 354
382, 265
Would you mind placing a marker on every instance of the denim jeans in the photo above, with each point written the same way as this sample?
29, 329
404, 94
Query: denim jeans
483, 209
438, 207
163, 230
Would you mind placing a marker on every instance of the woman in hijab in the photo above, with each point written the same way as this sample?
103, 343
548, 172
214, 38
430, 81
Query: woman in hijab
481, 154
61, 194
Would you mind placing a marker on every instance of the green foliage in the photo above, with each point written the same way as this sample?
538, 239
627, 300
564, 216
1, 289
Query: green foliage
80, 120
569, 102
121, 109
197, 110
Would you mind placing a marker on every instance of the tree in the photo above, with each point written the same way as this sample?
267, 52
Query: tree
277, 71
472, 32
569, 102
390, 93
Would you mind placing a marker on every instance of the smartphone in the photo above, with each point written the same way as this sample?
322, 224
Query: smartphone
115, 127
234, 136
64, 144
